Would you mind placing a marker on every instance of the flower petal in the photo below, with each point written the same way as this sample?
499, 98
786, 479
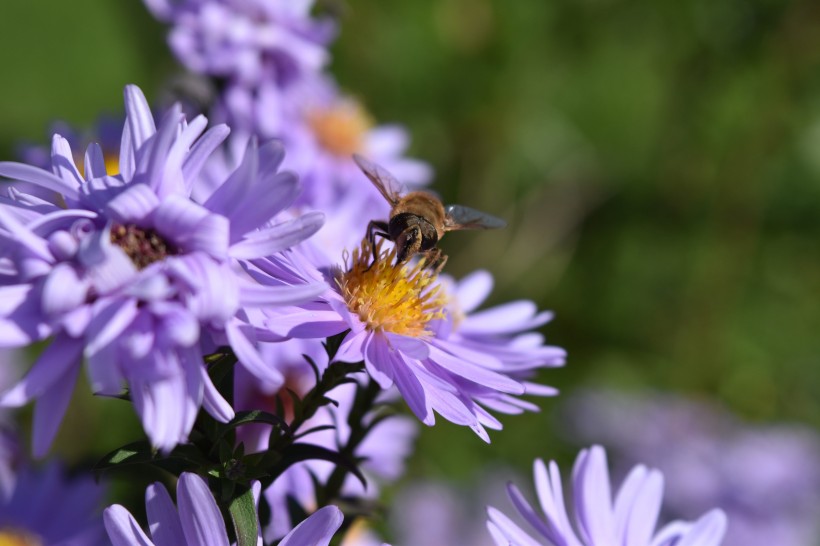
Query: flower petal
317, 530
53, 364
139, 118
250, 358
50, 409
163, 520
123, 529
202, 150
200, 517
255, 295
277, 238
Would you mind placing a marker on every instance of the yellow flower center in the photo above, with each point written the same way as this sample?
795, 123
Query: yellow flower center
400, 299
341, 128
112, 167
18, 537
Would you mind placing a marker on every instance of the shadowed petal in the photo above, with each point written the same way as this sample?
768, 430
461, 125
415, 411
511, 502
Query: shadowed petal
317, 530
50, 409
200, 517
39, 177
163, 520
53, 364
123, 529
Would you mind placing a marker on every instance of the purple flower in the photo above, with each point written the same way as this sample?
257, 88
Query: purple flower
437, 513
765, 477
629, 519
197, 520
383, 451
402, 325
321, 129
258, 44
43, 506
137, 277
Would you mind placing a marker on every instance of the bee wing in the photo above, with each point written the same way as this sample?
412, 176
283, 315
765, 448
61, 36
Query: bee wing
385, 182
461, 217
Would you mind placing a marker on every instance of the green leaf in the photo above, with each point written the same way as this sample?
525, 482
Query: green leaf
133, 453
245, 520
333, 343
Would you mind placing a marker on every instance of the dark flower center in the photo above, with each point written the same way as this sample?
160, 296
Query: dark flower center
143, 246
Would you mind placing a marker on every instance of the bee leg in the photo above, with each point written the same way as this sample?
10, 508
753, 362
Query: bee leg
376, 227
436, 259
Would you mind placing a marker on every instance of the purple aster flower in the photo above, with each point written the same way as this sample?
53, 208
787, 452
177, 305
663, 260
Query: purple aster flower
598, 519
196, 521
254, 44
383, 451
765, 477
44, 506
402, 324
442, 514
137, 277
321, 129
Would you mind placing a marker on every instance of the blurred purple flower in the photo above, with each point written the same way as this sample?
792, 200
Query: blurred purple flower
766, 478
198, 522
321, 129
441, 514
598, 520
44, 506
130, 273
401, 324
383, 451
255, 44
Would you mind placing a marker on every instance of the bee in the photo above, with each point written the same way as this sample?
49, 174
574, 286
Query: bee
418, 220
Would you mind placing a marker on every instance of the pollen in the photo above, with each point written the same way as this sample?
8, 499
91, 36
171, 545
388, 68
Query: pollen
400, 299
143, 246
341, 128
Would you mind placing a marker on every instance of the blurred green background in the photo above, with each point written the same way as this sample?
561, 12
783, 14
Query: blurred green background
659, 162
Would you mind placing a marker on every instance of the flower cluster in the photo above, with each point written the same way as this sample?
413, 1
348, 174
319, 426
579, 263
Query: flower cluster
224, 278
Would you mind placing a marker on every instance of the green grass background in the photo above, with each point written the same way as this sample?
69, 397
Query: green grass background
659, 162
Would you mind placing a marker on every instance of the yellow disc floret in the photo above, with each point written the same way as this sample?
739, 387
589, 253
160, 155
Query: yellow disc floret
340, 129
401, 299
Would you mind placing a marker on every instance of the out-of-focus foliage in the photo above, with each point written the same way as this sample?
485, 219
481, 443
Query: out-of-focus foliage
659, 163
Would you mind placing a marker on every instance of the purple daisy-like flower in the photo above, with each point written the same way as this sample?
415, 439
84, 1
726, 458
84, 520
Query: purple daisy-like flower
401, 324
629, 519
252, 43
44, 506
321, 129
765, 477
324, 128
197, 521
135, 276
